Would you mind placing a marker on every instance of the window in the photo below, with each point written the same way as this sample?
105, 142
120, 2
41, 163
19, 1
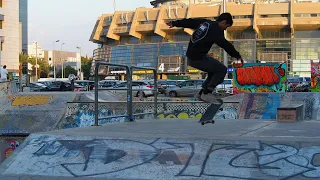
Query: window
1, 3
275, 34
2, 46
227, 81
1, 24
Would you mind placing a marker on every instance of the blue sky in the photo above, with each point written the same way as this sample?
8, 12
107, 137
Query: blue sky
71, 21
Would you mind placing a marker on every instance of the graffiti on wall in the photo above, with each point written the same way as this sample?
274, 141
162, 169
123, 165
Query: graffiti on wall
260, 77
264, 105
32, 100
315, 76
166, 159
259, 106
7, 146
82, 114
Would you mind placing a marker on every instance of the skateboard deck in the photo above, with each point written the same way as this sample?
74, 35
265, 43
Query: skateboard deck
210, 113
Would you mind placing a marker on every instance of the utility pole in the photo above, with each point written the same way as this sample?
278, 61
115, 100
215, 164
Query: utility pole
36, 61
225, 55
54, 62
80, 62
62, 75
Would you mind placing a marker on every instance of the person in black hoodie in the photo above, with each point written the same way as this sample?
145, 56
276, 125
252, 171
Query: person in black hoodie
206, 33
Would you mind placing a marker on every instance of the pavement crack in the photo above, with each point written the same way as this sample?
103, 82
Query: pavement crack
257, 129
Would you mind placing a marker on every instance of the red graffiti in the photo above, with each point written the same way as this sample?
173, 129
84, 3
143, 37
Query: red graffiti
13, 145
258, 75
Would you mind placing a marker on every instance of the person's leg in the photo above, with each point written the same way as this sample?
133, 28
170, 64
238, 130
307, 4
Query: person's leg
216, 73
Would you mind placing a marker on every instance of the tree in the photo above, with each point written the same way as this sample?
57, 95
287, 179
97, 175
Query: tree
23, 58
86, 66
67, 70
44, 68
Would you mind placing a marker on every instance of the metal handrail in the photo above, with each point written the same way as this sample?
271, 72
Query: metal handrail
129, 73
155, 88
96, 90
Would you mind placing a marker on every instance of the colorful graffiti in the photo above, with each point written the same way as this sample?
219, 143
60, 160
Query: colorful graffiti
315, 76
260, 77
260, 106
7, 146
32, 100
164, 158
82, 115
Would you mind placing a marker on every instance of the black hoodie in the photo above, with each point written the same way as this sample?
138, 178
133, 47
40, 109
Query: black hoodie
206, 34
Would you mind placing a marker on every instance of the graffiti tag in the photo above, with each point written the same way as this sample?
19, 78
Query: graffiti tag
257, 77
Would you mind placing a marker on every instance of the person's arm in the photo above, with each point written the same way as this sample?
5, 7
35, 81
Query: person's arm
186, 23
228, 47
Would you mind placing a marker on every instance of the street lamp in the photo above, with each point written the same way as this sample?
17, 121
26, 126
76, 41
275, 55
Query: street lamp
80, 61
62, 61
225, 55
36, 60
54, 62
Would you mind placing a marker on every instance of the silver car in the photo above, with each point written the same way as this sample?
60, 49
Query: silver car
142, 88
187, 88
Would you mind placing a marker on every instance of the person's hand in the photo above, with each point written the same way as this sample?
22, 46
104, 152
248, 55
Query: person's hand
170, 24
240, 59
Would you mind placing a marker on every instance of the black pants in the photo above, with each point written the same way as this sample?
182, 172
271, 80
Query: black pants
216, 71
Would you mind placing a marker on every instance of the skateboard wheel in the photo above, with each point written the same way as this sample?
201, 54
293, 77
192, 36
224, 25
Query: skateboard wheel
202, 123
212, 122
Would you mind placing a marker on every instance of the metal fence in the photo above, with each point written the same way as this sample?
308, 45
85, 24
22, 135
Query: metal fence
130, 115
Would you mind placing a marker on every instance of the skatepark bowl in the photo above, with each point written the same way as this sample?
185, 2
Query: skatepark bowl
256, 136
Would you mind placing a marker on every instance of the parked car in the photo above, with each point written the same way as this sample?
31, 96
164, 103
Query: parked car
144, 85
64, 86
297, 84
187, 88
37, 87
88, 85
164, 84
108, 83
46, 83
225, 87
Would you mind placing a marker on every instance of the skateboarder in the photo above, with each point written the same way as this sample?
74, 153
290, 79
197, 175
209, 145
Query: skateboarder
206, 34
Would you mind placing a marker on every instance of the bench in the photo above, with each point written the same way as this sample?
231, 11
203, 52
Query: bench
290, 113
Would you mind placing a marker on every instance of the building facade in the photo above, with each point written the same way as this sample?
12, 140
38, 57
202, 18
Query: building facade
284, 31
23, 18
35, 50
9, 34
63, 59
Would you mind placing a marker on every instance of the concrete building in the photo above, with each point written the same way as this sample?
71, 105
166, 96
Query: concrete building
273, 31
9, 34
23, 18
63, 58
34, 49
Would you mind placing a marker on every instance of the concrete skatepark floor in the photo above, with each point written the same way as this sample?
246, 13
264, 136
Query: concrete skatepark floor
171, 149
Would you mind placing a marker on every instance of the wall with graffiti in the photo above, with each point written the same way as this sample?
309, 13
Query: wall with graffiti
8, 145
29, 113
264, 105
260, 77
164, 158
82, 114
315, 76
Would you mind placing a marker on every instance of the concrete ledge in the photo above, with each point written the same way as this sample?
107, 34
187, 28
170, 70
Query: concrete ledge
290, 113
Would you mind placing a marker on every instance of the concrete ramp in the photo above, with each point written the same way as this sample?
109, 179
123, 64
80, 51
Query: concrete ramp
171, 149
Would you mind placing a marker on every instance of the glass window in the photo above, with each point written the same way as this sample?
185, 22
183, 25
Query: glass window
245, 48
307, 34
246, 34
275, 34
176, 37
227, 81
273, 50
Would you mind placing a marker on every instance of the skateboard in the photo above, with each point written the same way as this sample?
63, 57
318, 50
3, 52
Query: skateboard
210, 113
